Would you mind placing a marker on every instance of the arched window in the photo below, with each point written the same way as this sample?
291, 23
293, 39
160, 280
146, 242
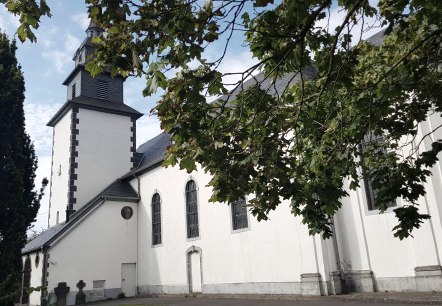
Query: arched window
156, 219
192, 210
239, 214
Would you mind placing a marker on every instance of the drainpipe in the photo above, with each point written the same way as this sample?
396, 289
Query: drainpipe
138, 228
338, 258
22, 282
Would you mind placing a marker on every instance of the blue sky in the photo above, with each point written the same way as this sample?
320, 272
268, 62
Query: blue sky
46, 64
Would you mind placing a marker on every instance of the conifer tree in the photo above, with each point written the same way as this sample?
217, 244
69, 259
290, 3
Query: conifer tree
19, 203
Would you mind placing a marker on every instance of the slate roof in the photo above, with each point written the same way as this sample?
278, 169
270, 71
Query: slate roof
150, 154
377, 38
95, 104
272, 87
118, 190
153, 150
37, 243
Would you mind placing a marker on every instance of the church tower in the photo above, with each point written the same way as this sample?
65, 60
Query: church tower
93, 136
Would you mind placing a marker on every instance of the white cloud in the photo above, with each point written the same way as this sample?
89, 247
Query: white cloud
81, 19
58, 48
62, 57
236, 63
44, 170
37, 115
133, 89
71, 43
8, 22
363, 29
59, 59
147, 128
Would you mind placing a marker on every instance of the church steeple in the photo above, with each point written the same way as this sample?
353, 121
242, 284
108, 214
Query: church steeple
94, 135
81, 84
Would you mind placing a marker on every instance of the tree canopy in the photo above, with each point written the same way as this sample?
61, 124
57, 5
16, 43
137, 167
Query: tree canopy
19, 203
355, 117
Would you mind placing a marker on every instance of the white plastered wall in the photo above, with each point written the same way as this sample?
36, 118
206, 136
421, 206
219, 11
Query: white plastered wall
366, 240
94, 250
104, 152
276, 251
60, 169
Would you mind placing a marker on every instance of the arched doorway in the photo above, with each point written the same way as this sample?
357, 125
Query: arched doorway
26, 280
194, 269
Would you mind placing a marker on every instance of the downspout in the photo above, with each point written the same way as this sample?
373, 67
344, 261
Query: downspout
338, 258
138, 191
138, 228
22, 282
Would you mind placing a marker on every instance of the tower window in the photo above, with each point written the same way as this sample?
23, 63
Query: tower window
102, 89
73, 91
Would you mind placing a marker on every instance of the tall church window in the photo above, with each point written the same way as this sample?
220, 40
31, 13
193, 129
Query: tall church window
371, 192
239, 214
192, 210
156, 219
372, 195
102, 89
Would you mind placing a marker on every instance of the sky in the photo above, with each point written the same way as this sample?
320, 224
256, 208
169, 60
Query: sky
48, 62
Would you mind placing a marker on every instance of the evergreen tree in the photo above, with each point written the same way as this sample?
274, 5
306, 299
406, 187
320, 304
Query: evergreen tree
19, 203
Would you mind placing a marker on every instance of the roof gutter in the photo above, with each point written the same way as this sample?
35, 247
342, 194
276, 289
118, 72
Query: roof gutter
136, 172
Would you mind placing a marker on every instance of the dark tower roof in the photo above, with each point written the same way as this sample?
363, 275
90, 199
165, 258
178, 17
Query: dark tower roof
94, 30
102, 93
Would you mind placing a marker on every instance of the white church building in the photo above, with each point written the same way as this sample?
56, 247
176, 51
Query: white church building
120, 223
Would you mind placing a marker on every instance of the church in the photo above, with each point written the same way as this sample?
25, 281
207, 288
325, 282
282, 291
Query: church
120, 224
